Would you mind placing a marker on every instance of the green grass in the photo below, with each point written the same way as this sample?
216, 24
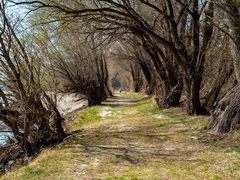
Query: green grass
232, 150
131, 95
137, 141
147, 107
86, 116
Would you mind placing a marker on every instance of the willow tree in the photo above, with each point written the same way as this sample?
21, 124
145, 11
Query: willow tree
80, 64
226, 116
27, 110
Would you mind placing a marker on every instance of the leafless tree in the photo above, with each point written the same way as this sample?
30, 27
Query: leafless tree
226, 115
26, 110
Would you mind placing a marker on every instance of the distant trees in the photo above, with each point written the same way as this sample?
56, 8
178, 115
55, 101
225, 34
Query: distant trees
130, 60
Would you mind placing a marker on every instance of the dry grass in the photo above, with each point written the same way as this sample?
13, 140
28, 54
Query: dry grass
132, 139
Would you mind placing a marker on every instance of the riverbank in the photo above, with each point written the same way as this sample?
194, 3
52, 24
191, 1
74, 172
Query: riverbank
68, 104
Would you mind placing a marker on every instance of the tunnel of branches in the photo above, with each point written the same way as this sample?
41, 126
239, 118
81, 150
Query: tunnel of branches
184, 53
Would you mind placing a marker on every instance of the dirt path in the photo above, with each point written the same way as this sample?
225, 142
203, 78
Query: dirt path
132, 139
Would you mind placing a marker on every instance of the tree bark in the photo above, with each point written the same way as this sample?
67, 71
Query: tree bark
226, 116
225, 72
193, 97
170, 97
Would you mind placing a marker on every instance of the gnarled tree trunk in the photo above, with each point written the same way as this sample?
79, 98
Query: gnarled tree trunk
226, 116
170, 96
225, 72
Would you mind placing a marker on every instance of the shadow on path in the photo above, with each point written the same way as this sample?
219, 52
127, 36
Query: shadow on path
117, 101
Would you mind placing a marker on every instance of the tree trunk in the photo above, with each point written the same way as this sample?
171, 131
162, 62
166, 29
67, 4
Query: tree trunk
151, 87
193, 105
167, 75
96, 96
234, 17
170, 97
136, 77
146, 71
226, 116
225, 72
